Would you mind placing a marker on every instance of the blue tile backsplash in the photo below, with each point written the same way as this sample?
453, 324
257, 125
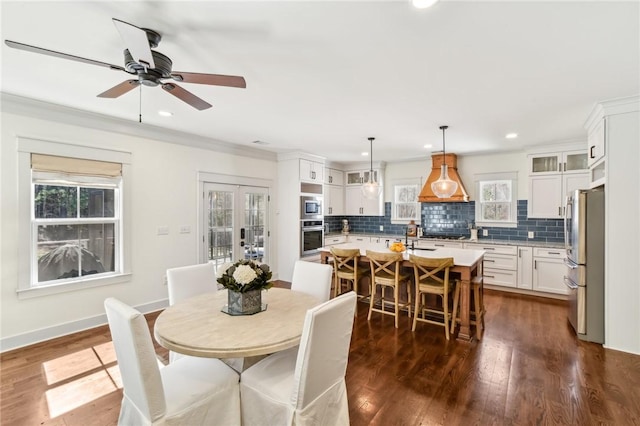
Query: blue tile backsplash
452, 219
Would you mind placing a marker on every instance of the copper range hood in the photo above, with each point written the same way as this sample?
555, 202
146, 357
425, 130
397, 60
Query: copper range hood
451, 160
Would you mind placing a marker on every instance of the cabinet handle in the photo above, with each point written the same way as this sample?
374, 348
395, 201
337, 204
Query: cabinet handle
519, 252
488, 248
559, 211
559, 167
330, 179
554, 252
591, 148
535, 264
489, 260
564, 167
439, 245
489, 276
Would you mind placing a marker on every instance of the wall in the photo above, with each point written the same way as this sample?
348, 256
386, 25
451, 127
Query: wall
165, 193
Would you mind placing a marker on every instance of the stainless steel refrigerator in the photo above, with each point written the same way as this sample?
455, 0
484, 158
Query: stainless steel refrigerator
584, 241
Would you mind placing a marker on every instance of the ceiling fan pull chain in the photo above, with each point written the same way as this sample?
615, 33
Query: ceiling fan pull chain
140, 106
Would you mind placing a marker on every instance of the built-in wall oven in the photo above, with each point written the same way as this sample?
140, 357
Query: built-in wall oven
312, 236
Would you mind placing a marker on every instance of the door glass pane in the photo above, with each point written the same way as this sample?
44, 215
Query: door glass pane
254, 212
577, 161
544, 164
220, 229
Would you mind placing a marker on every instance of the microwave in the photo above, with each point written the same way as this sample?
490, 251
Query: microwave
310, 207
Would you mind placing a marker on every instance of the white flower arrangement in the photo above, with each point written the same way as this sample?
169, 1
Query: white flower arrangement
244, 275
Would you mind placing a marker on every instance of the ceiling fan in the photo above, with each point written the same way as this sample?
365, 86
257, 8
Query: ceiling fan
150, 67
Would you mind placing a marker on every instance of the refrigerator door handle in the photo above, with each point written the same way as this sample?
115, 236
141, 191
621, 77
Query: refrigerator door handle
569, 264
570, 283
567, 218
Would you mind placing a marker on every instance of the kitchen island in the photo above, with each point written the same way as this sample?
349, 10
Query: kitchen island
467, 263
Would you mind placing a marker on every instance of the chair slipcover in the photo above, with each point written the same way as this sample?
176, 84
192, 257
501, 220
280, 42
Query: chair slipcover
312, 278
304, 386
190, 391
189, 281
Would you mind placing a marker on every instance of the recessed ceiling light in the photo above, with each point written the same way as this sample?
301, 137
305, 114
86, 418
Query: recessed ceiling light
365, 154
511, 135
428, 146
165, 113
260, 142
423, 4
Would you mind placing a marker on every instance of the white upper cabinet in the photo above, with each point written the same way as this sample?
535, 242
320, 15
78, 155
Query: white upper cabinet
358, 177
553, 176
311, 171
333, 200
333, 176
357, 204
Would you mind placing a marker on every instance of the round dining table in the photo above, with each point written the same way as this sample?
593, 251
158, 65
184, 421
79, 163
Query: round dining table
198, 326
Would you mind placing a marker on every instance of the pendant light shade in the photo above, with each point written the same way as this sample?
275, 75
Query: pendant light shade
371, 189
444, 187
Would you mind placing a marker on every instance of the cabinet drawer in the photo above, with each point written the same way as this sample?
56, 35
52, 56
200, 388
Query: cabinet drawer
491, 248
500, 277
500, 261
436, 244
335, 240
547, 252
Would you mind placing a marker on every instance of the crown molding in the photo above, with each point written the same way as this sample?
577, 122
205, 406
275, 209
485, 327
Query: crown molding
29, 107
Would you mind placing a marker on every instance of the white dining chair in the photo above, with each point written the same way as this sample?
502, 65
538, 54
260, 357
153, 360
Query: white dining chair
304, 385
312, 278
189, 281
191, 390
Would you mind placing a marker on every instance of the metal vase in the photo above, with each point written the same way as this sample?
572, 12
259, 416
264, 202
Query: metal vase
245, 303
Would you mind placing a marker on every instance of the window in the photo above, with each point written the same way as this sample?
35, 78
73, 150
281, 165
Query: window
406, 206
496, 200
72, 210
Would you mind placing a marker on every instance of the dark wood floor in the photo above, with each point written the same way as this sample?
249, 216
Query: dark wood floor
528, 369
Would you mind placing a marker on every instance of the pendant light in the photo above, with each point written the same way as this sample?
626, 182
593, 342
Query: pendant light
444, 187
371, 188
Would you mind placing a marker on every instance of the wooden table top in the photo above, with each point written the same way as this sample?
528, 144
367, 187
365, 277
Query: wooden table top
197, 326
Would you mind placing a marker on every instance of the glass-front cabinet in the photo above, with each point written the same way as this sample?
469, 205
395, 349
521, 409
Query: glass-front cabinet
358, 177
558, 162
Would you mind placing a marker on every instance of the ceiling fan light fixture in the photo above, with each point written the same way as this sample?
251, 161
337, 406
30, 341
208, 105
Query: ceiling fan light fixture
444, 187
371, 189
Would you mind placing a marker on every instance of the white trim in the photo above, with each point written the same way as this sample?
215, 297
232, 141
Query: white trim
27, 146
58, 113
48, 333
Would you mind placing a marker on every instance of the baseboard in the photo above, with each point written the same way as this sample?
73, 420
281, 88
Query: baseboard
48, 333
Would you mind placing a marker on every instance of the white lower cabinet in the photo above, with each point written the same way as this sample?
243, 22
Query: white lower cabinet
525, 268
500, 265
549, 270
337, 239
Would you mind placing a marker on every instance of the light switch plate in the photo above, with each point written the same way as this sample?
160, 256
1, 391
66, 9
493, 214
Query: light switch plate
381, 228
163, 230
185, 229
485, 232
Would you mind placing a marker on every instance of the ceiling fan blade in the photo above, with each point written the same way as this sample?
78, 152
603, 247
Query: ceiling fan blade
212, 79
186, 96
34, 49
120, 89
135, 39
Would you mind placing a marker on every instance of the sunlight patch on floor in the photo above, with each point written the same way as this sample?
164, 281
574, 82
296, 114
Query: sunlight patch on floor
94, 374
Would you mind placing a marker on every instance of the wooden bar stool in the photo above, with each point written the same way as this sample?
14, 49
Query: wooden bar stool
346, 269
478, 309
387, 271
431, 277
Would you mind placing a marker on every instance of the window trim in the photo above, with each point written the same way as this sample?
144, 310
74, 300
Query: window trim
28, 146
484, 177
405, 182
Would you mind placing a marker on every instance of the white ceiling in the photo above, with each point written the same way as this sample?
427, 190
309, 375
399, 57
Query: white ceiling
323, 76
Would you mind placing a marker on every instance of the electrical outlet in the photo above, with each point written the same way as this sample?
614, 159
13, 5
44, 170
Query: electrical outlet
185, 229
530, 234
381, 228
485, 232
164, 280
163, 230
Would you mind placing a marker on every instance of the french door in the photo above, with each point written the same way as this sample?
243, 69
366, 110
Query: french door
235, 223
